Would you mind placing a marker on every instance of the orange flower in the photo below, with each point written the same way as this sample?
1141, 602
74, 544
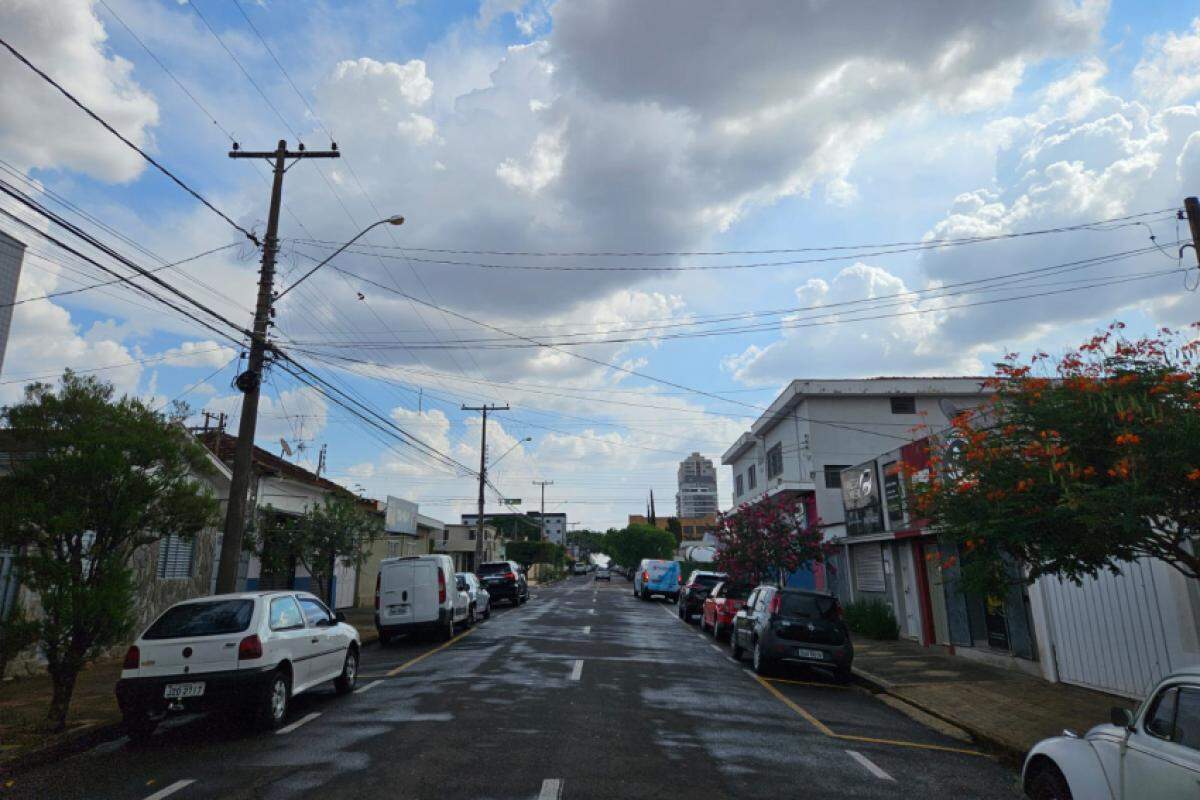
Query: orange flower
1129, 438
1194, 475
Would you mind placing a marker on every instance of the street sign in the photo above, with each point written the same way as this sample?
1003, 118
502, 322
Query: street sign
511, 501
400, 516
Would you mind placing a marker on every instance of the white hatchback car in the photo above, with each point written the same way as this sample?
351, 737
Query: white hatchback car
1152, 753
250, 652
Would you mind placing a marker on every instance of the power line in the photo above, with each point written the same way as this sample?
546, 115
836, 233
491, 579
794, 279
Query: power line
179, 182
106, 367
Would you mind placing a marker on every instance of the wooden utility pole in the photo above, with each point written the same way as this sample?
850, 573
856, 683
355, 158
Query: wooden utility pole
250, 381
544, 485
1192, 206
482, 477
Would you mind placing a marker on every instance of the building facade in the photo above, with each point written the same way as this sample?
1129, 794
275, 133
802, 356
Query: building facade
816, 429
12, 254
527, 523
697, 488
458, 542
693, 529
419, 542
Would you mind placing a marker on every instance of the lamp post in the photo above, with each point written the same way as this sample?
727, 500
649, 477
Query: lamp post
393, 220
514, 447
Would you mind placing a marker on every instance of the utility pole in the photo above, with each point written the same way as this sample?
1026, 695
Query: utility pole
1192, 206
543, 484
482, 475
250, 381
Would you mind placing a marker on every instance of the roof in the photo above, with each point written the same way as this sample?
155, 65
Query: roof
224, 445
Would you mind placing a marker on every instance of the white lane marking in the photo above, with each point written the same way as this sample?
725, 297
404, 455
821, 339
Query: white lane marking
577, 669
302, 721
166, 791
870, 766
551, 789
370, 685
587, 630
591, 611
720, 650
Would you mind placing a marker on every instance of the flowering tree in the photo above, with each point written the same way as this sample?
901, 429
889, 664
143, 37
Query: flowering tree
1080, 465
768, 540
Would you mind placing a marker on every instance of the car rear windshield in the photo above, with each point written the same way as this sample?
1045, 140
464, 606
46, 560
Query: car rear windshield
738, 592
808, 606
707, 581
495, 568
215, 618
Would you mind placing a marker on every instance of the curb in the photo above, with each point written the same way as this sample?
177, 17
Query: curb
76, 742
1004, 751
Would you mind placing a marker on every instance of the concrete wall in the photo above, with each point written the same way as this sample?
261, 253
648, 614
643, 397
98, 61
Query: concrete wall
12, 253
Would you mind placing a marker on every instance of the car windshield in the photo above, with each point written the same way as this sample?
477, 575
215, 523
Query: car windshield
808, 606
214, 618
495, 568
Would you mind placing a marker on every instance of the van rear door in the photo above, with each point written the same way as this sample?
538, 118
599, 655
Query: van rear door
396, 592
425, 590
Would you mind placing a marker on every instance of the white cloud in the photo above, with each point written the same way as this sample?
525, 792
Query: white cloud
39, 128
199, 354
1172, 72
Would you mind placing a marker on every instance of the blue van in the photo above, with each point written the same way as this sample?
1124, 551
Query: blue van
654, 576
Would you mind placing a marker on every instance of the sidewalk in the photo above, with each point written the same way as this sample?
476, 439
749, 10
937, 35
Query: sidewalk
1004, 708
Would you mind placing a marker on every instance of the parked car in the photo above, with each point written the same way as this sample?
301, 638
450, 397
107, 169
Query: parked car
419, 594
481, 599
1152, 753
725, 600
795, 626
695, 590
504, 580
654, 576
602, 574
579, 568
251, 652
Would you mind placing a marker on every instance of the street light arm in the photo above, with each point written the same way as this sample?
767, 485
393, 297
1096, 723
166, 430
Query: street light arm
396, 220
509, 450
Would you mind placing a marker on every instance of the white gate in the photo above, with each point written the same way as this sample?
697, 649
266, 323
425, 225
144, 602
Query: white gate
345, 587
1111, 633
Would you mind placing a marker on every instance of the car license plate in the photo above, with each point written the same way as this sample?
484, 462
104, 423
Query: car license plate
816, 655
176, 691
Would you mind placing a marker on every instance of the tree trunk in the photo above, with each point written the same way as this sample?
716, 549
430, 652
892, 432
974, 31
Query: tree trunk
63, 677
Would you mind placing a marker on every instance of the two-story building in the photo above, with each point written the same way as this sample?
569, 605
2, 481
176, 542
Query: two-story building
406, 532
815, 429
458, 542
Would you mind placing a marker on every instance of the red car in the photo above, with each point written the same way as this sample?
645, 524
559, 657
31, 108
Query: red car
719, 607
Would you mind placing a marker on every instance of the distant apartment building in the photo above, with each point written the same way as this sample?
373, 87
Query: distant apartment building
12, 253
697, 494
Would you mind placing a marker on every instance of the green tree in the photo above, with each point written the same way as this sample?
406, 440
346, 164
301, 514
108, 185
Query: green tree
630, 545
529, 553
94, 479
338, 528
676, 529
1081, 464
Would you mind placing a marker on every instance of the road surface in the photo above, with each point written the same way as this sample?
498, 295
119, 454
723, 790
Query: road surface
585, 692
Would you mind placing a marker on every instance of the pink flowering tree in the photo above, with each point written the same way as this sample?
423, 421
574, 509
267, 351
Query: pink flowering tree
767, 541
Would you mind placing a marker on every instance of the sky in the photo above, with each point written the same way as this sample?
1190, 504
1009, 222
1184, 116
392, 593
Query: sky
631, 222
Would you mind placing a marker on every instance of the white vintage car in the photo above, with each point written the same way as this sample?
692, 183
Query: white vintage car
1152, 753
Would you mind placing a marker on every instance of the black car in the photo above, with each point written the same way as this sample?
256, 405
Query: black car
694, 592
794, 626
504, 580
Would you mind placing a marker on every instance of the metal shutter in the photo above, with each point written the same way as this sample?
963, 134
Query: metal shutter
174, 557
868, 567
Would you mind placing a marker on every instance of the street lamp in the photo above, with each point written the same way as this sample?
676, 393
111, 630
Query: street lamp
393, 220
514, 447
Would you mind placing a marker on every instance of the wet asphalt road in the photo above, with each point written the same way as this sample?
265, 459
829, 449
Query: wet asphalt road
586, 692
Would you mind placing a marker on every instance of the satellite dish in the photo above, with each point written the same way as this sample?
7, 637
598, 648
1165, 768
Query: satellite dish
948, 408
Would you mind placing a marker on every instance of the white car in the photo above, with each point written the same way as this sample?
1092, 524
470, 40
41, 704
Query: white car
251, 652
481, 601
419, 594
1152, 753
602, 574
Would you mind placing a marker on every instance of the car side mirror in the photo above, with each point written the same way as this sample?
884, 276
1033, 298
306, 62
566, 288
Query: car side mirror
339, 616
1121, 717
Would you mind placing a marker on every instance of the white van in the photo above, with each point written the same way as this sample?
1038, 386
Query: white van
419, 594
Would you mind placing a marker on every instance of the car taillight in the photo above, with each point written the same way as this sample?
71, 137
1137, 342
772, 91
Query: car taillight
441, 586
645, 576
510, 576
133, 657
250, 647
776, 602
378, 581
679, 575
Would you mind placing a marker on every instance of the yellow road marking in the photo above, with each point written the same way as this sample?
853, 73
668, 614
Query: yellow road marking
428, 653
816, 723
808, 683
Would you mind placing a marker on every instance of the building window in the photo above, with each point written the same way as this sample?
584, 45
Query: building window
867, 560
904, 405
775, 461
751, 479
833, 475
175, 556
738, 490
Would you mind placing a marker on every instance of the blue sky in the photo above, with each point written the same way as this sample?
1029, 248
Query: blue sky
597, 125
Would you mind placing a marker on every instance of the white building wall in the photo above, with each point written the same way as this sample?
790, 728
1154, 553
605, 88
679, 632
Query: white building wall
12, 253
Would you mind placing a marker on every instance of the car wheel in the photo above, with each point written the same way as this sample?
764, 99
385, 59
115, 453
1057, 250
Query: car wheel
344, 683
139, 726
762, 665
384, 638
1049, 784
487, 612
735, 649
471, 617
273, 708
843, 674
645, 595
679, 610
717, 630
703, 623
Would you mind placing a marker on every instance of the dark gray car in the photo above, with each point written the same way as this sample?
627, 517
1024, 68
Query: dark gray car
793, 626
